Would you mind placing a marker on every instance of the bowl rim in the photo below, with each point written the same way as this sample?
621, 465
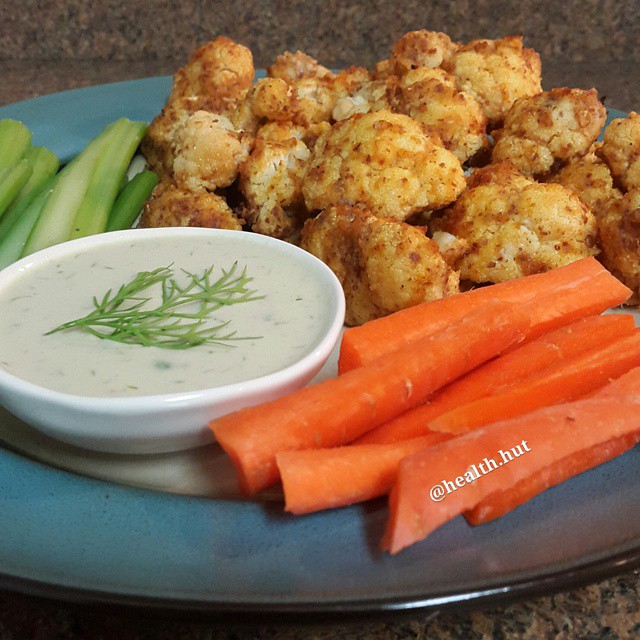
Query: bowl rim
319, 350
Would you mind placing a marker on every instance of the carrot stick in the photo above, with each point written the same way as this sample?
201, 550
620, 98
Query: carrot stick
561, 382
542, 439
317, 479
510, 368
580, 289
502, 502
339, 410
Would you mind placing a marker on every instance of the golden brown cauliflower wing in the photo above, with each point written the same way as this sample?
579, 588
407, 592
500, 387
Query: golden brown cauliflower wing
621, 150
516, 227
216, 77
543, 132
421, 49
295, 66
384, 160
590, 179
430, 96
383, 265
218, 74
496, 73
620, 240
374, 95
208, 152
171, 206
271, 181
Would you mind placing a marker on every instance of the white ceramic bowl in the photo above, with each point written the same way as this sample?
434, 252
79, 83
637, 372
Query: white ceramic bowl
175, 421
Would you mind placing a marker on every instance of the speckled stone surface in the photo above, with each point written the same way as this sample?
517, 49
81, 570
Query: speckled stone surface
51, 46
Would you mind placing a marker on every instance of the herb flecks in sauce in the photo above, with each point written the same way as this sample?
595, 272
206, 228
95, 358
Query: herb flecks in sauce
178, 321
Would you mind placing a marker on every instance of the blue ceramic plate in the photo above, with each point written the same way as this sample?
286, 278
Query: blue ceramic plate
82, 540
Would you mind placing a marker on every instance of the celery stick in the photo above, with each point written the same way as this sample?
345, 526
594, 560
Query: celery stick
93, 213
55, 224
130, 201
13, 182
45, 165
14, 237
15, 140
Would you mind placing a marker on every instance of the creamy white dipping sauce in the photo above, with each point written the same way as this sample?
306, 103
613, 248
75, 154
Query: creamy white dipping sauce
291, 318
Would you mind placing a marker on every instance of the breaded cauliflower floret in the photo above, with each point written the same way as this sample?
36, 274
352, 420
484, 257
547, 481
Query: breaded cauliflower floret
430, 96
543, 132
620, 240
496, 73
384, 160
371, 96
271, 181
517, 227
218, 74
421, 49
158, 145
208, 152
383, 265
382, 70
295, 66
171, 206
590, 179
621, 150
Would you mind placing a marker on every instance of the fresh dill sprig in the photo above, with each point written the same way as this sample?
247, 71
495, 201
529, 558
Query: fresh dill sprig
123, 316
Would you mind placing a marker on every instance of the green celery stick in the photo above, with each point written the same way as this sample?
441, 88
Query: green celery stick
12, 183
15, 140
130, 201
55, 223
45, 164
14, 237
111, 168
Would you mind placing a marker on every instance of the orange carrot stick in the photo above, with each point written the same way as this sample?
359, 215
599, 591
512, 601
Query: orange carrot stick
561, 382
339, 410
580, 289
317, 479
508, 369
502, 502
544, 437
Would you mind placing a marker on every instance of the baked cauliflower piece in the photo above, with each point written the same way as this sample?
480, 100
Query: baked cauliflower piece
217, 76
430, 96
374, 95
621, 150
516, 227
591, 180
383, 265
619, 224
386, 161
421, 49
496, 73
544, 132
208, 152
292, 67
271, 181
171, 206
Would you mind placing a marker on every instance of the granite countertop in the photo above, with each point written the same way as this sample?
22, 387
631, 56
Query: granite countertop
609, 609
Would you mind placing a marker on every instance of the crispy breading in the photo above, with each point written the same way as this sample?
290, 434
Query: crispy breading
218, 74
271, 181
382, 70
590, 179
296, 66
496, 73
383, 265
171, 206
386, 161
374, 95
517, 227
208, 152
620, 240
621, 150
543, 132
421, 49
430, 96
